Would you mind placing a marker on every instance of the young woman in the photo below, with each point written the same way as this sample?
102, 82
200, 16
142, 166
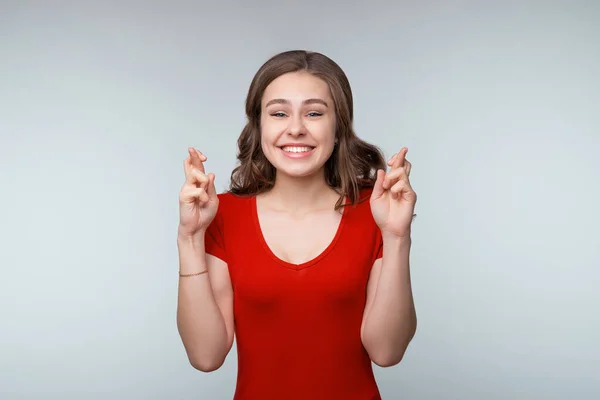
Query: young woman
306, 257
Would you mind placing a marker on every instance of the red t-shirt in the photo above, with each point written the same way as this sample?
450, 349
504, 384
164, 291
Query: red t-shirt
297, 327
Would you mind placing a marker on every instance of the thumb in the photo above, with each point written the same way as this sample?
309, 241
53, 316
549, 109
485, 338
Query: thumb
210, 190
378, 187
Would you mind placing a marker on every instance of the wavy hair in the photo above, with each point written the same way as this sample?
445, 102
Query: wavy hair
354, 163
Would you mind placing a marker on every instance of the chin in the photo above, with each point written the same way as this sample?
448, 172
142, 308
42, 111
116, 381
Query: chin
297, 172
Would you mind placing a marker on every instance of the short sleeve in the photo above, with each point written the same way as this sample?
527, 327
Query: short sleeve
374, 231
214, 243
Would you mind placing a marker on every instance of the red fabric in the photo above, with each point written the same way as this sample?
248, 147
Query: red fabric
298, 326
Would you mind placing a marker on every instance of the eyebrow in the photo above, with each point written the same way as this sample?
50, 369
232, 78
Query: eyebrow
287, 102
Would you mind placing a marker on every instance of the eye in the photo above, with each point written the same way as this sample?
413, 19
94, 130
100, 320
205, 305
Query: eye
278, 114
314, 114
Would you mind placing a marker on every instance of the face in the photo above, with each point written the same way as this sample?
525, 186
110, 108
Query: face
298, 124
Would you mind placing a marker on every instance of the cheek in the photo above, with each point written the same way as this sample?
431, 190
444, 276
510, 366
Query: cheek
268, 137
265, 144
324, 132
269, 131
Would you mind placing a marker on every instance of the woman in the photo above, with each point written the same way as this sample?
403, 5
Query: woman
307, 254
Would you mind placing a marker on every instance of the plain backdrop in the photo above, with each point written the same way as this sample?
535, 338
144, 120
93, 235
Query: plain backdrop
497, 101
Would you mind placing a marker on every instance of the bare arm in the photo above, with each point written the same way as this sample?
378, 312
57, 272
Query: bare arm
390, 321
205, 305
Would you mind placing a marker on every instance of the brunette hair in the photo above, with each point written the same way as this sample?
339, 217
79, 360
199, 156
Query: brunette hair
354, 163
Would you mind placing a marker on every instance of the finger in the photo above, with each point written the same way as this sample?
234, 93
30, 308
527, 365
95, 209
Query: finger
396, 189
400, 157
197, 158
378, 186
202, 195
393, 176
187, 165
403, 189
203, 158
193, 195
390, 162
211, 190
407, 167
197, 178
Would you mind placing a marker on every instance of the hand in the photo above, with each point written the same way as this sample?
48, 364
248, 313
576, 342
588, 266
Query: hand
198, 200
393, 199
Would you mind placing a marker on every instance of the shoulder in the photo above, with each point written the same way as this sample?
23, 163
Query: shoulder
363, 204
232, 211
359, 216
230, 198
231, 204
363, 234
360, 213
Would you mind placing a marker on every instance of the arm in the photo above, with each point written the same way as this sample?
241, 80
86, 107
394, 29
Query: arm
205, 305
390, 321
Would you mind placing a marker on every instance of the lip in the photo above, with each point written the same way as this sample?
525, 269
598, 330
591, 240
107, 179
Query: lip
296, 145
297, 155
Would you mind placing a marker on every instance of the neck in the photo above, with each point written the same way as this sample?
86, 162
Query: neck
301, 195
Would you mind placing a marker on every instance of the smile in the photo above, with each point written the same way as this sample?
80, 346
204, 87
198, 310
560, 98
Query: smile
296, 149
297, 152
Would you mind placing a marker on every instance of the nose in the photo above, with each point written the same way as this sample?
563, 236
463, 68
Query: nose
296, 126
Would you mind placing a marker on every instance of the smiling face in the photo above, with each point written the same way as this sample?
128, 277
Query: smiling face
298, 124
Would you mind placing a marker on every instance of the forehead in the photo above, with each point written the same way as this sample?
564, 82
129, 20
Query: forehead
297, 85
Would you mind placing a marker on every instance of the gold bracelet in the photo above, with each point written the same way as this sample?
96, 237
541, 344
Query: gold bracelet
194, 274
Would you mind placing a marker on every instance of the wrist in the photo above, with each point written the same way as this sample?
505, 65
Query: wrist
187, 237
391, 239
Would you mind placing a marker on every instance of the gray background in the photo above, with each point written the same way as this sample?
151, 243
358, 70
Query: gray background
498, 103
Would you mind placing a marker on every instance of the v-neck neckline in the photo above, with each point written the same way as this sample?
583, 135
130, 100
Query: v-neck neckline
286, 264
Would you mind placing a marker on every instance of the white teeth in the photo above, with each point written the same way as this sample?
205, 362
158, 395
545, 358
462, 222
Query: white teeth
291, 149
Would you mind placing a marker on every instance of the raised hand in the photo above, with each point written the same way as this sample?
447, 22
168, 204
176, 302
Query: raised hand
198, 200
393, 199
